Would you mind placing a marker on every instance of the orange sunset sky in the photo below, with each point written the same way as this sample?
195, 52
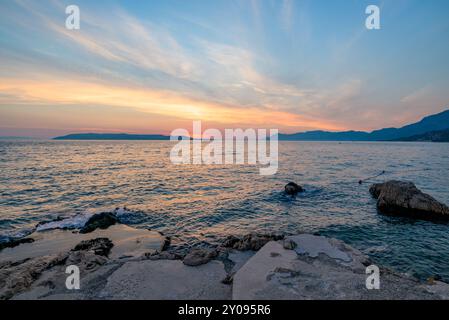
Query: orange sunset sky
153, 66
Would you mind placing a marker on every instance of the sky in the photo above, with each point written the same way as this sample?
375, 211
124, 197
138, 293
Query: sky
154, 66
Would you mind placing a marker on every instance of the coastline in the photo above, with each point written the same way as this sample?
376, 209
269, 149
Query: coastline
120, 262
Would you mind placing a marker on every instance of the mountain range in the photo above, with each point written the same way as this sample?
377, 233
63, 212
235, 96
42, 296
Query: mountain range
419, 131
433, 136
436, 122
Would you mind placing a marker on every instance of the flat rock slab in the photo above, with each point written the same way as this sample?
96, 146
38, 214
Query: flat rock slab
90, 286
239, 258
167, 280
321, 268
129, 242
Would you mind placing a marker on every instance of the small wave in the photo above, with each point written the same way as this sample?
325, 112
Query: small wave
74, 222
14, 235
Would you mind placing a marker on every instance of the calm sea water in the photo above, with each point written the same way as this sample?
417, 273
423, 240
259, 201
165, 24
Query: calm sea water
201, 204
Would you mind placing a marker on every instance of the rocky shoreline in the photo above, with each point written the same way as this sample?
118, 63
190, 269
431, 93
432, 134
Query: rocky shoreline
120, 262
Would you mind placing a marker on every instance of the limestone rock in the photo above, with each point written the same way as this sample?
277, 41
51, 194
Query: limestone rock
99, 246
250, 241
15, 242
101, 220
128, 242
199, 256
167, 279
405, 199
16, 277
321, 268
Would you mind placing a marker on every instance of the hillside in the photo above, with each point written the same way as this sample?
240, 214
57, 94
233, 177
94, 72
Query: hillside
436, 122
433, 136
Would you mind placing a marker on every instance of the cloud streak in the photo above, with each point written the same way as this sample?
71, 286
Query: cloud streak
121, 59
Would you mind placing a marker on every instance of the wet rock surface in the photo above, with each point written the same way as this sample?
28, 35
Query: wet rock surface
128, 242
15, 242
403, 198
16, 277
167, 279
99, 246
250, 241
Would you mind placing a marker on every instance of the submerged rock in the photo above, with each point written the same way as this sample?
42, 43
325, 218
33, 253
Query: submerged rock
99, 221
289, 244
199, 256
405, 199
292, 188
128, 243
16, 277
167, 280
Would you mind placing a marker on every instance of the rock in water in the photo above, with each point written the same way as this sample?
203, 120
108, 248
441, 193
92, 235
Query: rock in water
292, 188
405, 199
198, 257
101, 220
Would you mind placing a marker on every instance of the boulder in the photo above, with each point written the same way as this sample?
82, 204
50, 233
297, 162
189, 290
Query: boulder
199, 256
292, 188
99, 246
405, 199
250, 241
99, 221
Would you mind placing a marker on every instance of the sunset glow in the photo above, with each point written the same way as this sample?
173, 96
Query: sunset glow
147, 67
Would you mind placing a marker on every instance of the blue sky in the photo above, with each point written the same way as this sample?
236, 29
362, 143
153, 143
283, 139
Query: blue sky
152, 66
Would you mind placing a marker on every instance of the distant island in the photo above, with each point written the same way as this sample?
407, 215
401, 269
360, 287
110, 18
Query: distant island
431, 128
112, 136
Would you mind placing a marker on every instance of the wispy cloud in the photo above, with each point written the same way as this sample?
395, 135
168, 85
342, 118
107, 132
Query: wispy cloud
237, 71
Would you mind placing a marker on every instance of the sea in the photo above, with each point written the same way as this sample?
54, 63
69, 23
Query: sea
42, 181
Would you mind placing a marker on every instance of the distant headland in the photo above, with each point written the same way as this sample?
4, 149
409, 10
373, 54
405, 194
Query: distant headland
431, 128
112, 136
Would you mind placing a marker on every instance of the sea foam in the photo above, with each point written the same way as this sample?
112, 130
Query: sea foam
79, 221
